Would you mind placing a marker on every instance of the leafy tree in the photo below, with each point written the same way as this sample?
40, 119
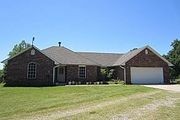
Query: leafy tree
133, 49
107, 73
174, 57
1, 76
4, 72
19, 48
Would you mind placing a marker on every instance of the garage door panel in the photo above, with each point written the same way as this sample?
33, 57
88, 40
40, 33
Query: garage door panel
146, 75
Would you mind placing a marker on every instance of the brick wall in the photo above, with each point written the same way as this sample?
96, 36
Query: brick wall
17, 70
119, 73
91, 73
146, 60
72, 73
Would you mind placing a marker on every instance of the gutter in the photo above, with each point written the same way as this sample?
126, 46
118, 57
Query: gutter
54, 72
124, 72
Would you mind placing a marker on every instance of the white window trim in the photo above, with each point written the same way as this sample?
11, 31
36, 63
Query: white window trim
79, 71
28, 71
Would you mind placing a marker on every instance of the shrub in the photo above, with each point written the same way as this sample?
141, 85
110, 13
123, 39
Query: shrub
1, 76
106, 74
115, 81
1, 80
178, 81
175, 81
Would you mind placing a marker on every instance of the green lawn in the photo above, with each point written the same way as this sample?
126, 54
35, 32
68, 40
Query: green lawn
25, 102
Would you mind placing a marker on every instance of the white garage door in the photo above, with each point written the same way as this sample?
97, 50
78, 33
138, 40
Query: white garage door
147, 75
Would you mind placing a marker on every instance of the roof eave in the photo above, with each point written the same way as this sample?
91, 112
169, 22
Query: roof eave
4, 61
147, 46
169, 63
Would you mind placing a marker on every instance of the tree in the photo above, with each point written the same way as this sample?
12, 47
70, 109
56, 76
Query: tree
106, 73
174, 57
1, 75
133, 49
19, 48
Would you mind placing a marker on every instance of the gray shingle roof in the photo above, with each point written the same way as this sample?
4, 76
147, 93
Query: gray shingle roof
65, 56
62, 55
122, 60
104, 59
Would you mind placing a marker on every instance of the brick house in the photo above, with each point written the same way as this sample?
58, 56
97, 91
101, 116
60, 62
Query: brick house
57, 64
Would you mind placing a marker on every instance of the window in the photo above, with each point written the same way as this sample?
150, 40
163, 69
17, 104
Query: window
82, 71
31, 74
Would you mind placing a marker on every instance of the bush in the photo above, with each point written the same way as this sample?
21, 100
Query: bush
1, 76
175, 81
106, 74
1, 80
178, 81
114, 81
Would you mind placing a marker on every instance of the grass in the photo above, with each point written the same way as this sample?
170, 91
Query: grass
166, 112
17, 102
118, 109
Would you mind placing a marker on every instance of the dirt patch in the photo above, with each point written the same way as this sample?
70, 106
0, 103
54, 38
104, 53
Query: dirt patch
62, 114
134, 114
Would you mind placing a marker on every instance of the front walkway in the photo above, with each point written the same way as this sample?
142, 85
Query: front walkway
175, 88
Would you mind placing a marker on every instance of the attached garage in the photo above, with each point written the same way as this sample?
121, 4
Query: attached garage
144, 66
147, 75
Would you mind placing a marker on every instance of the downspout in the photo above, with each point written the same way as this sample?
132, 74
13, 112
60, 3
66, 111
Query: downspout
124, 73
54, 68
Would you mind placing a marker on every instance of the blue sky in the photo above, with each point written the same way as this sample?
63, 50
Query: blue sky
90, 25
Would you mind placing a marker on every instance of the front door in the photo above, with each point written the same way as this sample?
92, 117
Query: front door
61, 74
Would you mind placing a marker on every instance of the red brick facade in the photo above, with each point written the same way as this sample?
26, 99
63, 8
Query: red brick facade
72, 73
17, 70
146, 60
118, 73
18, 66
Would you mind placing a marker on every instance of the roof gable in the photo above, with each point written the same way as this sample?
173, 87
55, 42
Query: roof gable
6, 60
32, 47
126, 57
156, 53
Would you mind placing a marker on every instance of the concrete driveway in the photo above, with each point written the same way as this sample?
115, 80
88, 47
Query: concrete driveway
175, 88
